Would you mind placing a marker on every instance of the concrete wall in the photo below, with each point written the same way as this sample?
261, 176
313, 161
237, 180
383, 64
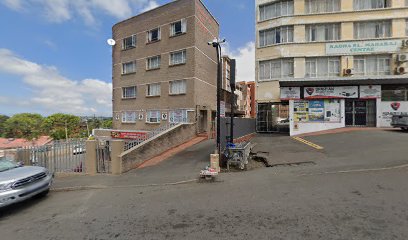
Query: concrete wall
171, 138
242, 127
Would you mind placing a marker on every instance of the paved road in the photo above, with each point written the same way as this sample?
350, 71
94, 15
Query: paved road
304, 202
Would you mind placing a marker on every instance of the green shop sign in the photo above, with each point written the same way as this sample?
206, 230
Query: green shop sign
363, 47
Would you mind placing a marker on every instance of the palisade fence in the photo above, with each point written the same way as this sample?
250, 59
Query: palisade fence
57, 156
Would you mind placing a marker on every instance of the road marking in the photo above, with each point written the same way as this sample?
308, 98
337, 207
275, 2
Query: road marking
313, 145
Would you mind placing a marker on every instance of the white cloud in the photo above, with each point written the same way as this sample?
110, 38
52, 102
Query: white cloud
56, 93
58, 11
245, 57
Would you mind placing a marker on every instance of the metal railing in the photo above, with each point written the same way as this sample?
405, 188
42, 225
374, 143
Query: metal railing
134, 142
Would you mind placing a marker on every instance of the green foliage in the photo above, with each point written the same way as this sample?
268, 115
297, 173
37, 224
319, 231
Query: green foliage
107, 124
59, 125
3, 119
23, 125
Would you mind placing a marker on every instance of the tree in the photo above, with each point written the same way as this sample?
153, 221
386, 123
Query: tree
61, 126
107, 124
3, 119
24, 125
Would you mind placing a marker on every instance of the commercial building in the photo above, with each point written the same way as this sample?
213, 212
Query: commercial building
330, 64
246, 99
163, 69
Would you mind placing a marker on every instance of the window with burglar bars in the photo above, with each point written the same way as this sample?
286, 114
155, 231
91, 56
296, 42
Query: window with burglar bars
322, 6
322, 67
323, 32
129, 92
371, 4
153, 62
178, 27
178, 57
153, 116
129, 117
178, 87
276, 9
372, 65
153, 89
153, 35
129, 42
178, 116
274, 69
272, 36
129, 67
372, 29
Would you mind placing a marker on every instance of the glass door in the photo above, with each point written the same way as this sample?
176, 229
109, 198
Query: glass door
360, 113
349, 112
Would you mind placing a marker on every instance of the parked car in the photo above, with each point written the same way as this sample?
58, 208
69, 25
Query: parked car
78, 150
400, 121
19, 183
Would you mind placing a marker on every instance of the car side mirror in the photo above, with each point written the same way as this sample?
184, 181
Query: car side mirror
20, 164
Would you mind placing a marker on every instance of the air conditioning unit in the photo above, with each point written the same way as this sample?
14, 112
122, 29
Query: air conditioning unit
402, 57
348, 72
400, 70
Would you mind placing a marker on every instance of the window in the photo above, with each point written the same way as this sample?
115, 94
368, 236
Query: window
129, 92
128, 67
178, 27
322, 6
153, 116
372, 65
129, 117
394, 93
322, 67
153, 62
178, 116
178, 57
272, 69
129, 42
323, 32
153, 35
372, 29
371, 4
178, 87
276, 9
153, 89
276, 35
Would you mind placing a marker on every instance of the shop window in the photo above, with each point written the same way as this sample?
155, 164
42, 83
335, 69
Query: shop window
276, 35
371, 4
322, 6
129, 117
372, 29
273, 69
153, 116
323, 32
398, 93
178, 116
276, 9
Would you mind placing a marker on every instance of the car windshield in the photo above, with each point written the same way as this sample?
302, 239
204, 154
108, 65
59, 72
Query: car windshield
6, 165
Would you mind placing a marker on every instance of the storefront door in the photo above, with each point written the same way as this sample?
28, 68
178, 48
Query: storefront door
272, 117
360, 113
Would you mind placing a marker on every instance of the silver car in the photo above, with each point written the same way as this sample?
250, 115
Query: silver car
18, 183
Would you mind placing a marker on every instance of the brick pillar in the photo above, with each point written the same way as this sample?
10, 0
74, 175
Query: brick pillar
90, 157
117, 150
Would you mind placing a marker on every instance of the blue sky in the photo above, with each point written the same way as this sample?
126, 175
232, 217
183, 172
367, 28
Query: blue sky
54, 56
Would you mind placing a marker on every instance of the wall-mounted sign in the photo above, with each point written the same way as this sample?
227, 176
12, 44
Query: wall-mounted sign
331, 92
140, 116
389, 109
370, 91
129, 135
363, 47
316, 111
301, 111
289, 93
164, 116
222, 110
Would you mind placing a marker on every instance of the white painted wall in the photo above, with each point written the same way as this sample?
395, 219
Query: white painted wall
386, 111
314, 126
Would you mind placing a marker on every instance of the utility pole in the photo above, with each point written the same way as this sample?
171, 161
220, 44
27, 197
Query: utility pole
217, 44
232, 84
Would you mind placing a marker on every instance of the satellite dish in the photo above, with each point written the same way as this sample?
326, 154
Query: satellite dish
111, 42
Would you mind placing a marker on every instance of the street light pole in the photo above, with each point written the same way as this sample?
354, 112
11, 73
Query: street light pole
217, 44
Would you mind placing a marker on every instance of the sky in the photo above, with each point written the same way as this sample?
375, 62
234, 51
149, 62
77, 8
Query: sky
54, 56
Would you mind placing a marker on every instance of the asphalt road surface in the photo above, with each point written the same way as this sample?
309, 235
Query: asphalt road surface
351, 192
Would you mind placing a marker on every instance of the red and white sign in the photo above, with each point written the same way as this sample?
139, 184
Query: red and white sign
331, 92
389, 109
129, 135
370, 91
290, 93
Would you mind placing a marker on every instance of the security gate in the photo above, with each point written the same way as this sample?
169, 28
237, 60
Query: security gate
103, 156
272, 117
360, 113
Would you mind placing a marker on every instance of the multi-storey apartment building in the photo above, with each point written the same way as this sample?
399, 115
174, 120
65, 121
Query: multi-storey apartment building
330, 63
163, 69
